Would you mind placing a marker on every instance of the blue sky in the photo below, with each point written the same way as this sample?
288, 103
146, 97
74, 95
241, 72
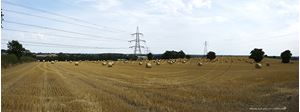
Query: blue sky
231, 27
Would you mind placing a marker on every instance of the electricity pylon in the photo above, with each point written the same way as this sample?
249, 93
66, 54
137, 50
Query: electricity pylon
205, 48
137, 47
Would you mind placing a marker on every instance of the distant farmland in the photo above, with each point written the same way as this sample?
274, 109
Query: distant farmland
228, 84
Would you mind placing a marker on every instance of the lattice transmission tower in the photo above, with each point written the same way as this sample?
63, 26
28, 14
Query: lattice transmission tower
137, 47
205, 48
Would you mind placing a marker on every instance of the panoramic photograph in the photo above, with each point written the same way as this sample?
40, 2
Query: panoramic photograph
150, 55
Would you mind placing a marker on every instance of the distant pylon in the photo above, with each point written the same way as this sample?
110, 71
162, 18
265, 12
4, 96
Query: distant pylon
147, 50
205, 48
137, 47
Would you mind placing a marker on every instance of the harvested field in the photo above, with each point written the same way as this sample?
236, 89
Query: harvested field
229, 84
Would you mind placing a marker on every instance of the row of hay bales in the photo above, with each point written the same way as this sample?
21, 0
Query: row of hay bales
226, 60
158, 62
148, 64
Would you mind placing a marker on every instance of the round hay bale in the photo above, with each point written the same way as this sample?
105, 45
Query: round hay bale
174, 61
52, 62
258, 66
103, 63
140, 63
267, 64
157, 63
110, 64
43, 60
183, 61
76, 63
70, 61
148, 65
200, 64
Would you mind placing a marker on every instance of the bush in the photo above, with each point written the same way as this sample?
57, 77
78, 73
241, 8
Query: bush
187, 56
11, 59
8, 60
286, 56
26, 59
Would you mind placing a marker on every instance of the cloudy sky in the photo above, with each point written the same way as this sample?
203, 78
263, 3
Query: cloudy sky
231, 27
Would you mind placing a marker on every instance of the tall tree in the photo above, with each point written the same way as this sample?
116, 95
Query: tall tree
257, 55
181, 54
286, 56
150, 56
14, 47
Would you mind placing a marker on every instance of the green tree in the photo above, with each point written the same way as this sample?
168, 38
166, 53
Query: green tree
257, 55
14, 47
167, 55
286, 56
181, 54
173, 55
150, 56
211, 55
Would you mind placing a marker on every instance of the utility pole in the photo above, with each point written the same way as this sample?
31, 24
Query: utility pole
205, 48
137, 47
2, 19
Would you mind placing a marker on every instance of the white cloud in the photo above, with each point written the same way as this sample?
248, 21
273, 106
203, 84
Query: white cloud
102, 5
205, 20
287, 8
178, 7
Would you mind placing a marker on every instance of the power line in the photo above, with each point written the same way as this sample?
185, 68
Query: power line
57, 20
49, 28
48, 34
60, 15
63, 45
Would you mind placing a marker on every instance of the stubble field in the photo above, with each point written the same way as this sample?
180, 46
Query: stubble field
230, 84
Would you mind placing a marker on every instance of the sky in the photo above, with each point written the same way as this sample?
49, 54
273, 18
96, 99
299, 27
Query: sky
230, 27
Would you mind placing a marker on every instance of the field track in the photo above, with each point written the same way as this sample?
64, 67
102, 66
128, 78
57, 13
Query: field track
92, 87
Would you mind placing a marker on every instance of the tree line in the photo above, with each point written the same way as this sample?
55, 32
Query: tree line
17, 54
